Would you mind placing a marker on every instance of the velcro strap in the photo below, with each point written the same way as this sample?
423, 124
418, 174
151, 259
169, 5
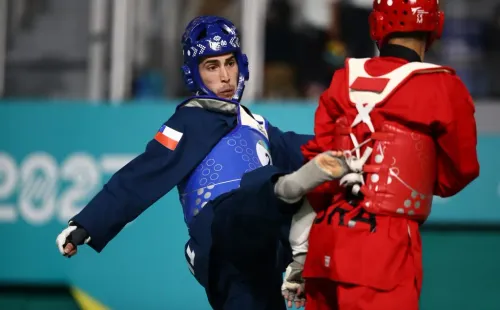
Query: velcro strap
383, 136
343, 130
372, 168
366, 192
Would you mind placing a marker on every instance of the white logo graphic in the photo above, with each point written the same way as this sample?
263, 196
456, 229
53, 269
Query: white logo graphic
214, 45
190, 253
420, 14
39, 189
263, 153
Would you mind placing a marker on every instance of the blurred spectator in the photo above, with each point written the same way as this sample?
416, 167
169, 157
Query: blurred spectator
305, 42
149, 84
229, 9
492, 50
318, 54
350, 25
280, 52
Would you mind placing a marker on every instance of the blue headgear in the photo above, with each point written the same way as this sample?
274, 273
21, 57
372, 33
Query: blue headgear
207, 36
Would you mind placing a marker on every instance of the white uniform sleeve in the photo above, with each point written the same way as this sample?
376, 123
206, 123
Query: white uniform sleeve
299, 231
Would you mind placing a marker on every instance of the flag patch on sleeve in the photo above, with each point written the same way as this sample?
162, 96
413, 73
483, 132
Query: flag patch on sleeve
168, 137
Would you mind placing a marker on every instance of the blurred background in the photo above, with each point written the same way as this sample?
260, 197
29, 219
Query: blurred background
84, 84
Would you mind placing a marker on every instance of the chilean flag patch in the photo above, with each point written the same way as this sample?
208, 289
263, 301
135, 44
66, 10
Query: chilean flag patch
168, 137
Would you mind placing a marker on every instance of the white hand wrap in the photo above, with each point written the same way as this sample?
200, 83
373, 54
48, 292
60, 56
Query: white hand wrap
355, 178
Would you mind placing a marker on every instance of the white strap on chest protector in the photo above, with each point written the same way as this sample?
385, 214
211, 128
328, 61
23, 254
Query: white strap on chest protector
365, 102
257, 122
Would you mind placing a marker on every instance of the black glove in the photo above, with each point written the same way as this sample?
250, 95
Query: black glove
73, 234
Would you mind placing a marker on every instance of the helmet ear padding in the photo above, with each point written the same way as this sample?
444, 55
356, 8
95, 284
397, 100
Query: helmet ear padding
440, 24
188, 78
376, 20
246, 72
438, 30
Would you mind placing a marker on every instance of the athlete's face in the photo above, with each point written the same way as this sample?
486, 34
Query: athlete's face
220, 75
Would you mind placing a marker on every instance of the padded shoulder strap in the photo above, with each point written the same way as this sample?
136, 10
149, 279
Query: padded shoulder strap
367, 89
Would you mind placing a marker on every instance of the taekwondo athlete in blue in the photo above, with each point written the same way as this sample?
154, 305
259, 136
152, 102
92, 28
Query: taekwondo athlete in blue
224, 161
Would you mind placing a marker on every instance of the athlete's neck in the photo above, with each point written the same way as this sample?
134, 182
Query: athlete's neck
416, 45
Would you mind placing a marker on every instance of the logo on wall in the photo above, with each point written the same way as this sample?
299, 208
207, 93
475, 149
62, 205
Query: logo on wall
39, 188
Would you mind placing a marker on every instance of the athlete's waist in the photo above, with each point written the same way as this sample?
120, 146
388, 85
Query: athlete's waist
193, 200
348, 207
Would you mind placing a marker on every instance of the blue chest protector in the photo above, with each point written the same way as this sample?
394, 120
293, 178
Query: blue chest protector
244, 149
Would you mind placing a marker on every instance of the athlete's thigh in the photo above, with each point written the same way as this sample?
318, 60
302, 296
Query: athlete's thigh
320, 294
231, 289
357, 297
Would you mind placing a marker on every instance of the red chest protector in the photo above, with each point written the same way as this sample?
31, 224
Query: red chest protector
397, 165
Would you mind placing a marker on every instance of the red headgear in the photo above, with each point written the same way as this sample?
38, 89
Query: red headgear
390, 16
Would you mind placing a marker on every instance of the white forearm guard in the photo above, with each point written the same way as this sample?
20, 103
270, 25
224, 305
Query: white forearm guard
299, 231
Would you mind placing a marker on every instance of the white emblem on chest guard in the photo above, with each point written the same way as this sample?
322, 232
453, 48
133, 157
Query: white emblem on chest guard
263, 153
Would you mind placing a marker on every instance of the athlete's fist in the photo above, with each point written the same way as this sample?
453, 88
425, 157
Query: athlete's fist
71, 237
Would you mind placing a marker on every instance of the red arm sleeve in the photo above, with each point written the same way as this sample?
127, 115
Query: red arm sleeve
457, 139
324, 120
324, 125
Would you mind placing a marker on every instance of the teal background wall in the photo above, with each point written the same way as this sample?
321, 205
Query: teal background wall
55, 156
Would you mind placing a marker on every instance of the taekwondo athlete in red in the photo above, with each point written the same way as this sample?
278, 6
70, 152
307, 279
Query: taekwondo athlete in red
408, 131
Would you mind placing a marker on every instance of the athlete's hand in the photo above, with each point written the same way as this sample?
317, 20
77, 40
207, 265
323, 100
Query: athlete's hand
293, 285
71, 237
332, 163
